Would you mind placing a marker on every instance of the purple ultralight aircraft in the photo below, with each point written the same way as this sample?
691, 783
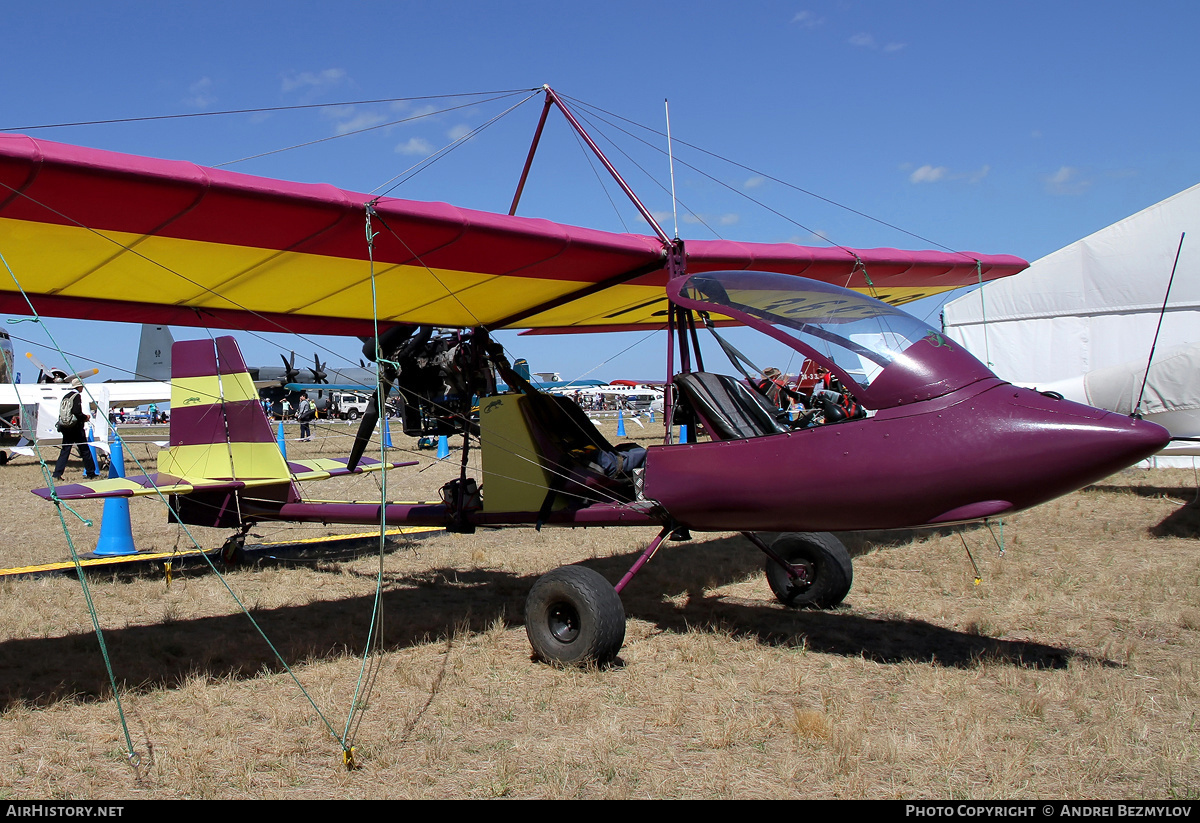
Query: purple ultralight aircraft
942, 439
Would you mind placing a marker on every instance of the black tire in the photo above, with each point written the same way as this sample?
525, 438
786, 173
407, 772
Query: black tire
574, 617
827, 565
352, 414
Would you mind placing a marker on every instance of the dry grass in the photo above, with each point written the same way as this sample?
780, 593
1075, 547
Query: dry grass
1071, 671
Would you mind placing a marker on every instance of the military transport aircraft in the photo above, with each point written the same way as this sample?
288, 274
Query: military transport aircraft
946, 441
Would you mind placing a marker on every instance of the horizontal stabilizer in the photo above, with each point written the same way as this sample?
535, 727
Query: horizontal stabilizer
145, 485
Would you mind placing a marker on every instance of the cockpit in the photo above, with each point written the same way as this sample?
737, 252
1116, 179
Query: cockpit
880, 354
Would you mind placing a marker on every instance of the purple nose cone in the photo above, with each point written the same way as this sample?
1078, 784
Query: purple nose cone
1047, 447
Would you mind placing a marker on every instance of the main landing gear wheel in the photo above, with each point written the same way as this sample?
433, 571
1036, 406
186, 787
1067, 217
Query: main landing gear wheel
828, 571
573, 617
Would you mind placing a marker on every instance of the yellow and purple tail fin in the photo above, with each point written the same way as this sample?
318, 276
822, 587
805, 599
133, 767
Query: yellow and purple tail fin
218, 428
221, 448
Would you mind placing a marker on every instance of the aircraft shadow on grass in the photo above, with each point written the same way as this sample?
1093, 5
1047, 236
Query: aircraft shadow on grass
1183, 522
438, 602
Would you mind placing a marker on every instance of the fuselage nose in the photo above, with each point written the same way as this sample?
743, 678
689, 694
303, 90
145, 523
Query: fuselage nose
1053, 446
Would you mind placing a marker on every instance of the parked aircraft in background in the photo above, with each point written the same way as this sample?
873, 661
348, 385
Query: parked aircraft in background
28, 411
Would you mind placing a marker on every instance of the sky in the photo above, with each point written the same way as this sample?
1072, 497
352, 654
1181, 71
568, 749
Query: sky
1012, 128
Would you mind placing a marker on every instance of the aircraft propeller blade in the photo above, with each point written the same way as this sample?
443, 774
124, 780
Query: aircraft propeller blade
50, 375
290, 372
366, 426
393, 343
318, 371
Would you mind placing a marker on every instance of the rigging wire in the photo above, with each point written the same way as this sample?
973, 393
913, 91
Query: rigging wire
260, 110
363, 130
763, 174
428, 161
614, 145
591, 161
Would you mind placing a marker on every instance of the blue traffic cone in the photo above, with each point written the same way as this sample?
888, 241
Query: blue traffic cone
281, 440
620, 423
116, 532
443, 448
387, 433
92, 449
652, 415
683, 434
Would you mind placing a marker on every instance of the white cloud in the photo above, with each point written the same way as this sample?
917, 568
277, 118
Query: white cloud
1066, 180
200, 93
928, 174
362, 120
816, 236
415, 145
314, 81
754, 182
458, 132
866, 40
729, 219
807, 19
978, 174
938, 174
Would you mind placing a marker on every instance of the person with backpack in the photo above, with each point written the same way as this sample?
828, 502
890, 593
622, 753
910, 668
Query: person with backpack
71, 424
305, 413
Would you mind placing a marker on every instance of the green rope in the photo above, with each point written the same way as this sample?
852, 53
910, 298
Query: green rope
367, 673
48, 477
133, 757
228, 588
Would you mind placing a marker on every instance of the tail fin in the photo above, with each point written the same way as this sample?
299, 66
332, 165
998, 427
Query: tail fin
218, 428
154, 353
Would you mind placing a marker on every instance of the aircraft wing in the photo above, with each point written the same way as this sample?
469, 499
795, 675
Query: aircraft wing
154, 484
99, 235
137, 393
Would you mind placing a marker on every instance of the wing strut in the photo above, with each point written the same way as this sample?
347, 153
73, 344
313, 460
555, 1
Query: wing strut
552, 97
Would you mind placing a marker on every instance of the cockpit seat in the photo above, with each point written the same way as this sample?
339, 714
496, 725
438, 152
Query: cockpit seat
729, 408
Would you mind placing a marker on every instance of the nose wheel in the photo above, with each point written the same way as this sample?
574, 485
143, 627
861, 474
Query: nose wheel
574, 617
822, 571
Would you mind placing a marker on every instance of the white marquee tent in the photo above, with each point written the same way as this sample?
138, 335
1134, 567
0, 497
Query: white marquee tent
1092, 305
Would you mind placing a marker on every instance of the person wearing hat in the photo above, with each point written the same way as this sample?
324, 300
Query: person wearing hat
71, 423
774, 387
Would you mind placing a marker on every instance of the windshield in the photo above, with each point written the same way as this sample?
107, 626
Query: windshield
869, 344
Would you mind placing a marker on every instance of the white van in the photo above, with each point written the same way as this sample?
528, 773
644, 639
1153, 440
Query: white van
349, 405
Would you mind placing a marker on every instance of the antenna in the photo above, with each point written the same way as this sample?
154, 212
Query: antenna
1137, 409
671, 158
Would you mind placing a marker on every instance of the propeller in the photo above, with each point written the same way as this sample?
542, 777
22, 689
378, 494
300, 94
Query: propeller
49, 375
290, 372
318, 370
394, 344
366, 426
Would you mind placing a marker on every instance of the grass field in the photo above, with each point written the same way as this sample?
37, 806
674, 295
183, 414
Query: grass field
1070, 671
